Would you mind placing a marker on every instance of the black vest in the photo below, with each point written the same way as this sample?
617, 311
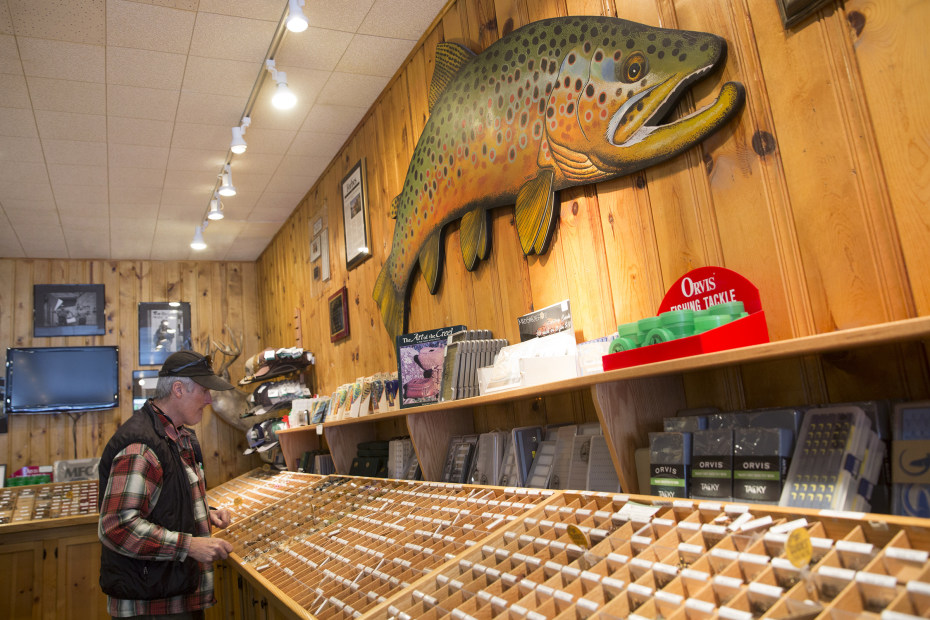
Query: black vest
125, 577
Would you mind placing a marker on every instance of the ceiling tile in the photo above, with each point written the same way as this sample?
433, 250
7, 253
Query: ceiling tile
184, 198
272, 118
23, 172
219, 76
88, 223
299, 165
42, 241
80, 198
13, 148
346, 15
18, 122
137, 102
72, 209
135, 67
270, 141
13, 92
364, 88
71, 174
62, 60
333, 118
140, 131
256, 9
402, 19
39, 206
288, 184
140, 156
135, 196
144, 226
131, 24
75, 152
18, 190
250, 181
233, 38
315, 48
136, 177
372, 55
87, 243
6, 22
252, 163
210, 109
240, 205
67, 96
9, 56
27, 217
190, 179
187, 135
317, 143
68, 126
80, 22
197, 159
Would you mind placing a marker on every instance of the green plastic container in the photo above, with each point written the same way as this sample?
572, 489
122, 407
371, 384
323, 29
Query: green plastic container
711, 321
623, 344
658, 335
679, 322
647, 325
733, 308
631, 332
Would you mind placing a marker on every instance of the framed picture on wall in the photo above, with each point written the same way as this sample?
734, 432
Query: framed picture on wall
339, 315
68, 310
163, 329
355, 215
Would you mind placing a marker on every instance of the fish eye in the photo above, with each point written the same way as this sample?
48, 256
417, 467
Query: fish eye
635, 68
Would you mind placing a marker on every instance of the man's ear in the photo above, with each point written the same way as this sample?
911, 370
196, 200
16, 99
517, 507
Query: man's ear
177, 389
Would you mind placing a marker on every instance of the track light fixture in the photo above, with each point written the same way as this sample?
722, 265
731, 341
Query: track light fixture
238, 144
296, 20
216, 208
283, 98
198, 242
227, 188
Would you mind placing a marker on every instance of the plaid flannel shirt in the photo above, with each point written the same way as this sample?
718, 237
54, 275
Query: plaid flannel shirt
131, 494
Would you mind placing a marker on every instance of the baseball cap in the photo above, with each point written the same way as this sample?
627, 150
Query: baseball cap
196, 366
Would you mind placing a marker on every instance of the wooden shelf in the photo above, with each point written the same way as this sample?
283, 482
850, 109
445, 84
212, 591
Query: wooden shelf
628, 399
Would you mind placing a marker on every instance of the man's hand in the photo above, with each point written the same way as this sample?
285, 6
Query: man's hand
220, 518
209, 549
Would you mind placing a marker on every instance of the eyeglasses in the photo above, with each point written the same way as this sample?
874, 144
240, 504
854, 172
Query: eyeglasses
206, 361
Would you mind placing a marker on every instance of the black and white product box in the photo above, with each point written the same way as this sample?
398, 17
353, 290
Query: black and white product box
712, 464
549, 320
669, 456
760, 463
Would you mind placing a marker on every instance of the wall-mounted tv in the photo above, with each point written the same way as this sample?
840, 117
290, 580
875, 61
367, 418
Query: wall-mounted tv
60, 379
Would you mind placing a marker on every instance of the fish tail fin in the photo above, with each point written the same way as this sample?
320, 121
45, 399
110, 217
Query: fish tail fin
431, 261
474, 237
390, 303
535, 213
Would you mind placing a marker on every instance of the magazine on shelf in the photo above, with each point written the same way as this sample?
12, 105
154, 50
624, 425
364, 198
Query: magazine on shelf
420, 358
549, 320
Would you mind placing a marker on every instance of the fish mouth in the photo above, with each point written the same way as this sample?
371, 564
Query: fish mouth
668, 93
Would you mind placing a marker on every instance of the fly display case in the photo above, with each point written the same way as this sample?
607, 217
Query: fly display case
260, 487
346, 547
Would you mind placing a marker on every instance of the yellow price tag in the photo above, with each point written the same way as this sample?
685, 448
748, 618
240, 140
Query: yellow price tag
798, 547
578, 537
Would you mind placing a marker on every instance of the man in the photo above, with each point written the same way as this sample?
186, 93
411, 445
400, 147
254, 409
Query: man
157, 556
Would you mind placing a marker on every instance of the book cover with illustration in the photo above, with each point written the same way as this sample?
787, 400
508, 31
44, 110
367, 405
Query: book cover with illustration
420, 365
549, 320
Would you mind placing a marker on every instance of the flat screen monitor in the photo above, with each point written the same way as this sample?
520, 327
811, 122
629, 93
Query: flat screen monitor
58, 379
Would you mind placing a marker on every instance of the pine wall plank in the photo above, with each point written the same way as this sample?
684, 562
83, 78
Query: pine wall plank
222, 296
816, 192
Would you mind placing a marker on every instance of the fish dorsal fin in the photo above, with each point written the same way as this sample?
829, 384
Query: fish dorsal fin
473, 237
392, 212
431, 261
535, 211
450, 58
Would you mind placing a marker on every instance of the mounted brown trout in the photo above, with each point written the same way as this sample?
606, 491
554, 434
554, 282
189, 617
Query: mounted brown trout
558, 103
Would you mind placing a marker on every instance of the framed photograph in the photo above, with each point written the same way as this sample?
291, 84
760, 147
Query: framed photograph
339, 315
68, 310
355, 215
315, 248
143, 386
317, 226
163, 329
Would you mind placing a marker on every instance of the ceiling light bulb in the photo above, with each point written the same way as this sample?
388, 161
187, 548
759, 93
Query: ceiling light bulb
238, 144
283, 98
296, 20
227, 188
198, 243
216, 209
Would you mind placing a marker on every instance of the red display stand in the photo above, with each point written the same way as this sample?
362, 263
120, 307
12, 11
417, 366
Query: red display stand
700, 289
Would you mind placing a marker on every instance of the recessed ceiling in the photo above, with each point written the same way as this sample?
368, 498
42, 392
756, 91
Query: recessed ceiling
116, 117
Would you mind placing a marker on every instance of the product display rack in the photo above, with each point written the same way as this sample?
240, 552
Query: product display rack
260, 487
46, 502
347, 547
630, 402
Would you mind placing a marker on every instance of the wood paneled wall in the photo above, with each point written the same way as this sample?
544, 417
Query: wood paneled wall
817, 192
220, 294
